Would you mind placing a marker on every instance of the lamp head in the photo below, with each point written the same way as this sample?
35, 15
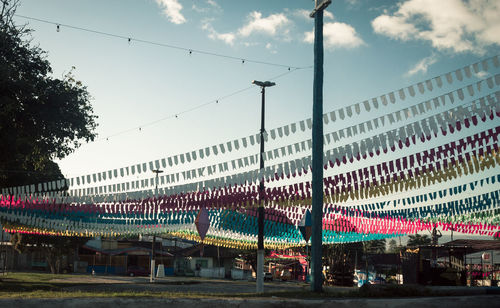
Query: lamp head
263, 84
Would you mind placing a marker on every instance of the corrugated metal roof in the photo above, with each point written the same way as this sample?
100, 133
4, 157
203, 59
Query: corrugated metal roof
475, 245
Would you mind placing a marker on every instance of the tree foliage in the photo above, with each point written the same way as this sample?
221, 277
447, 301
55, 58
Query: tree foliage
250, 257
418, 240
43, 117
393, 246
341, 260
375, 246
53, 248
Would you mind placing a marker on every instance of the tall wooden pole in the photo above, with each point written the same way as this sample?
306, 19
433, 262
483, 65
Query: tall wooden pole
317, 150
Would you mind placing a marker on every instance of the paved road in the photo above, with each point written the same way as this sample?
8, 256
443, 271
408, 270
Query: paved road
423, 302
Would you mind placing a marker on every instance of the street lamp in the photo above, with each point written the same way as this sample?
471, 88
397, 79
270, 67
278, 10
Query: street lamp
260, 218
263, 84
152, 278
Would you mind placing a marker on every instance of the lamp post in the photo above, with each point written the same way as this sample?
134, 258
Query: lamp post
317, 149
152, 278
260, 218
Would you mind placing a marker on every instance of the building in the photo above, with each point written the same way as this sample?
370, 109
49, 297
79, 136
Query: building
205, 261
459, 262
112, 256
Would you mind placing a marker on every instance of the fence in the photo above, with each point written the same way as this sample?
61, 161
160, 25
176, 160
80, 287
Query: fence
216, 272
105, 264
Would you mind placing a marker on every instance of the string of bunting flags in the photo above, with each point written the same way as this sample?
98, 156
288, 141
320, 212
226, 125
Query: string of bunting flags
62, 212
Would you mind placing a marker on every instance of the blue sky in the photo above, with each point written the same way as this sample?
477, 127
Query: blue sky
371, 47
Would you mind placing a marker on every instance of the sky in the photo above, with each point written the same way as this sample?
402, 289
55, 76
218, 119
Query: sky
167, 90
370, 48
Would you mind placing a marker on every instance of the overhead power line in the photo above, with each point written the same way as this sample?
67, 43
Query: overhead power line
290, 69
176, 115
158, 44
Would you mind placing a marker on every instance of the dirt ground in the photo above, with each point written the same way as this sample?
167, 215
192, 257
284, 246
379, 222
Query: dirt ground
172, 284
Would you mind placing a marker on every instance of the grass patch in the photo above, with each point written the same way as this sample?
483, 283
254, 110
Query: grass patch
32, 277
83, 294
170, 295
173, 295
29, 282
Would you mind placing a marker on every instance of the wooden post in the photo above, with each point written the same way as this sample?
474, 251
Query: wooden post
317, 150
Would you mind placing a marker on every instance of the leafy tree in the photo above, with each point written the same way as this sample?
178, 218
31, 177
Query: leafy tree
250, 257
341, 260
375, 246
53, 248
43, 117
393, 246
418, 240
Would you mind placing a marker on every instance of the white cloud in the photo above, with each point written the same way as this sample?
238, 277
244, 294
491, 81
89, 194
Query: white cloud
302, 13
278, 26
422, 65
275, 25
172, 9
337, 35
227, 38
309, 37
213, 4
481, 74
272, 25
328, 14
213, 7
454, 25
271, 48
394, 26
250, 44
199, 9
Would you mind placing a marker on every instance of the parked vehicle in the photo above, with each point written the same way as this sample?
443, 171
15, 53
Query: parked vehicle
137, 271
378, 280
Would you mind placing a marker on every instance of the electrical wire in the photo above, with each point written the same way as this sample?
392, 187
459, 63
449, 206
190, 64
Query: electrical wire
190, 50
130, 39
176, 115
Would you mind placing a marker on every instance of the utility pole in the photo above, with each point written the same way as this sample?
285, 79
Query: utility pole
260, 218
153, 265
317, 149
